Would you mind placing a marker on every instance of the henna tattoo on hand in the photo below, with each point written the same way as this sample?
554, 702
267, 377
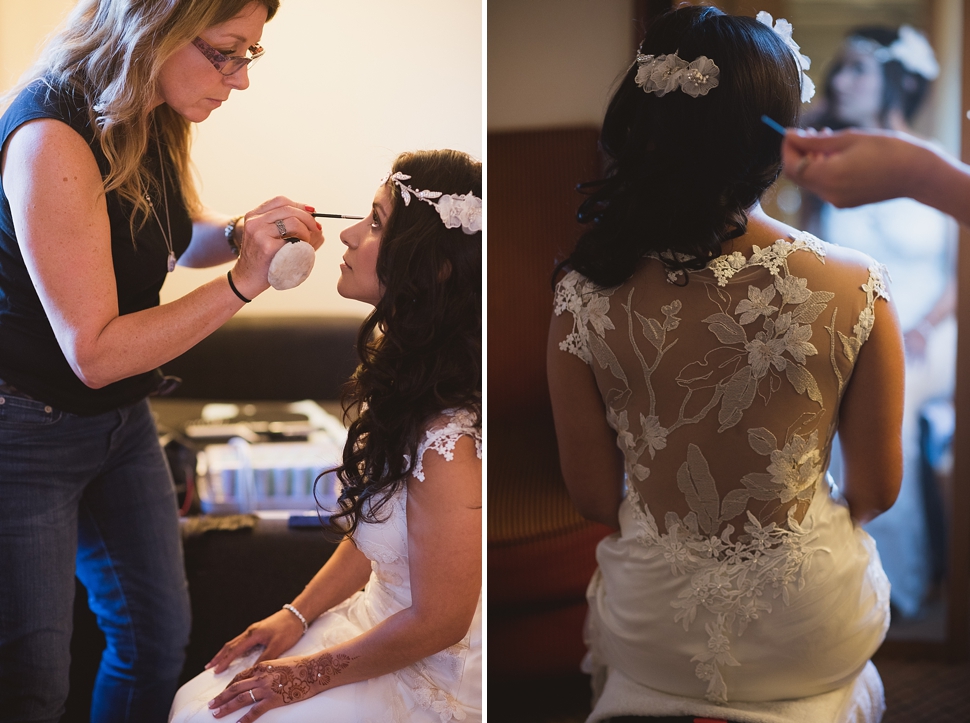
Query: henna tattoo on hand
307, 678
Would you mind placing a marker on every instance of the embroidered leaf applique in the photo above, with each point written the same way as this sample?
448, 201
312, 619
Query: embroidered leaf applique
652, 330
726, 329
809, 311
739, 394
803, 381
695, 481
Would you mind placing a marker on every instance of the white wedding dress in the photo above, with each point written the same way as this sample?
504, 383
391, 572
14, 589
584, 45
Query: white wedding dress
440, 688
738, 586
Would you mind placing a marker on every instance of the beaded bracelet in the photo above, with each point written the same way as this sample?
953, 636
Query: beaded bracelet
298, 614
231, 234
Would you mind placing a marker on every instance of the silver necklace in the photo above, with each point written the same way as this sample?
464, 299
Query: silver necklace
167, 237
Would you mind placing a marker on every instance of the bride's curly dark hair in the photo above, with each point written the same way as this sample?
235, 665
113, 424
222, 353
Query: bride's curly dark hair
421, 348
682, 171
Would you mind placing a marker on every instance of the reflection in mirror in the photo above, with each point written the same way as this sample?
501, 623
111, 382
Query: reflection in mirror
891, 64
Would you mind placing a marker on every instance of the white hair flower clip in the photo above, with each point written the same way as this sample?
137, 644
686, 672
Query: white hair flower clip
912, 50
662, 74
456, 211
783, 29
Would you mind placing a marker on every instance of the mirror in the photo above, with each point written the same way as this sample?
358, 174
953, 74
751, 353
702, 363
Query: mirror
865, 80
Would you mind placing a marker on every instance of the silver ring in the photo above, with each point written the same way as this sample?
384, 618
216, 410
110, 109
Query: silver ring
281, 227
251, 695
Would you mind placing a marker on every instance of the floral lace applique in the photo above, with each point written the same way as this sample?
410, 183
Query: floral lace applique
589, 305
727, 579
875, 288
461, 423
773, 258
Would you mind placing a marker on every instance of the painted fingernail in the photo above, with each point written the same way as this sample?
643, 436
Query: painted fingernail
311, 209
319, 226
212, 703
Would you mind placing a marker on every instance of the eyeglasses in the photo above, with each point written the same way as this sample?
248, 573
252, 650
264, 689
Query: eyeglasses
228, 64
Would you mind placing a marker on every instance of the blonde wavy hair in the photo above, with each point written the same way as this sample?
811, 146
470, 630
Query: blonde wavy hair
109, 52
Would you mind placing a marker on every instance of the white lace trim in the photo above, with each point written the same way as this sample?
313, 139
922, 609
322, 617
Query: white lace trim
461, 423
729, 580
875, 288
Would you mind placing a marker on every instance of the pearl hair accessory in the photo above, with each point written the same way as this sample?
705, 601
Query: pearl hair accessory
464, 211
663, 74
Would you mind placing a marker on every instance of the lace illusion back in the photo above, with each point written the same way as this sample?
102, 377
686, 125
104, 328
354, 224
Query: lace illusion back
724, 392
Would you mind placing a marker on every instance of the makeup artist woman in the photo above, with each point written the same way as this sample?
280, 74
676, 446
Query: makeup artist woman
96, 205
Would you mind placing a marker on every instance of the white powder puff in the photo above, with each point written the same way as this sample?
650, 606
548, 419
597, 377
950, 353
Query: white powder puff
291, 265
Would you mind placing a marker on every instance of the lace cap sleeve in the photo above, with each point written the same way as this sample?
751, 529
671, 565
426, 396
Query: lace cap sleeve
445, 433
590, 306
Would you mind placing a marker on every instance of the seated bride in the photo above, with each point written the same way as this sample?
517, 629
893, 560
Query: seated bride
701, 358
406, 647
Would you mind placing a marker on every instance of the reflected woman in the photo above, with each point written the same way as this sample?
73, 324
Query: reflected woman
880, 80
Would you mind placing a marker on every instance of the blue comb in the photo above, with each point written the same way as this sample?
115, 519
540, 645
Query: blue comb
773, 124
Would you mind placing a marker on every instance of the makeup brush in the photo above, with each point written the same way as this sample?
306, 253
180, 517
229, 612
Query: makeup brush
336, 215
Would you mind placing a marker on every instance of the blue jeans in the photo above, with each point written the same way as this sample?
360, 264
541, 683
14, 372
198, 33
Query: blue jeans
91, 496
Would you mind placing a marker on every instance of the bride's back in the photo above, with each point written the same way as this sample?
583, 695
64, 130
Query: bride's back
724, 391
701, 358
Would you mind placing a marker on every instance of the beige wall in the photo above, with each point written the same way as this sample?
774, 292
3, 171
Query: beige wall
344, 87
553, 62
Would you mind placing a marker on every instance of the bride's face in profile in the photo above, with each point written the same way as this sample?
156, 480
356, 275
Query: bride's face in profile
358, 272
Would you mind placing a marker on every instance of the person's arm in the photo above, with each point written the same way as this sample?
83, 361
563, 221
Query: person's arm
59, 212
871, 419
209, 246
444, 515
591, 462
851, 168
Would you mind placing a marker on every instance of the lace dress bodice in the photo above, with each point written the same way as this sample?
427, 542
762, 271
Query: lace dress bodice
724, 395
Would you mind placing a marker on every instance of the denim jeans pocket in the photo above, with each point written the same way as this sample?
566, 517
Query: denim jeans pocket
17, 411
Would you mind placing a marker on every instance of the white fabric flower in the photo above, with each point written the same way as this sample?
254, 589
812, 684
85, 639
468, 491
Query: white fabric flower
914, 52
783, 29
668, 71
700, 76
464, 212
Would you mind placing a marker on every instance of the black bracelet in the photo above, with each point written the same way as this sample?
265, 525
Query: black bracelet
230, 235
234, 289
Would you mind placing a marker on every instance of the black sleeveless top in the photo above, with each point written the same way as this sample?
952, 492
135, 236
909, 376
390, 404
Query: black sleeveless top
30, 358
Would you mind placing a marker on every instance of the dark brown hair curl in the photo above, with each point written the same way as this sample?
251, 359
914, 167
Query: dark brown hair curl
421, 348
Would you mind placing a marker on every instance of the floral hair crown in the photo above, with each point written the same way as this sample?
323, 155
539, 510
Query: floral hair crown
911, 49
456, 211
662, 74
